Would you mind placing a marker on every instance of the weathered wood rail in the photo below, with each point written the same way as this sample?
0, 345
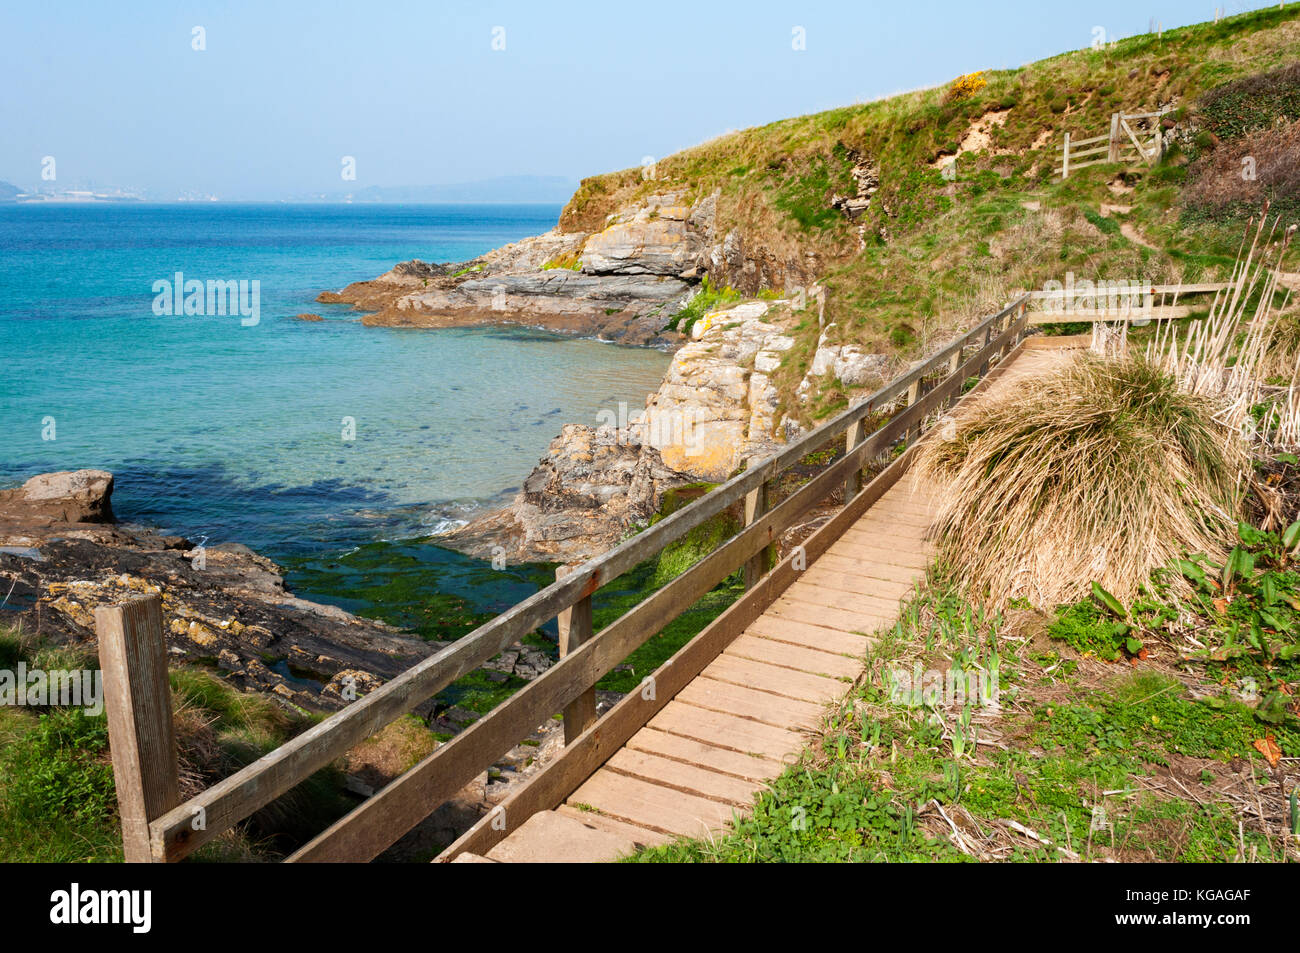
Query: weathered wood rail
173, 831
1118, 301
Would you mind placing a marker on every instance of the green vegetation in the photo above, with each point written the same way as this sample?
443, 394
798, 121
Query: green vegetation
1089, 628
705, 300
1252, 103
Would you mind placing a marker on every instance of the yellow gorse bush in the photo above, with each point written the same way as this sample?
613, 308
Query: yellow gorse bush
967, 85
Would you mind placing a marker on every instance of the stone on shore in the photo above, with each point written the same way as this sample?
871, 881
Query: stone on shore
69, 496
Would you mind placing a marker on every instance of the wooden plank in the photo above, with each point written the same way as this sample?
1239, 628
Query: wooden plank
680, 776
811, 636
843, 620
852, 437
774, 710
728, 731
796, 657
851, 583
821, 586
650, 805
908, 500
787, 682
1075, 154
869, 567
575, 628
550, 837
889, 550
908, 523
1166, 313
886, 589
137, 701
810, 592
747, 767
1141, 290
1085, 142
639, 836
1123, 124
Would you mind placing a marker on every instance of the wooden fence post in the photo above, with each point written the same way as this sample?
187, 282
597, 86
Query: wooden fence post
133, 658
757, 502
853, 484
1065, 158
954, 363
913, 395
1113, 154
575, 628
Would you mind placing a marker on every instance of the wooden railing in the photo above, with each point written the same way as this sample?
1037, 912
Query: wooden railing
175, 830
1119, 301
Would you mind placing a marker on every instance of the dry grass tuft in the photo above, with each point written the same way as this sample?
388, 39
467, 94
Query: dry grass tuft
1100, 471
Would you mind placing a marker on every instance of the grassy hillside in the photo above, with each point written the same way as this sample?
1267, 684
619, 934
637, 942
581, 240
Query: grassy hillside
939, 252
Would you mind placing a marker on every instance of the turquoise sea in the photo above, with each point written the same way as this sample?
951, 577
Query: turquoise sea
229, 432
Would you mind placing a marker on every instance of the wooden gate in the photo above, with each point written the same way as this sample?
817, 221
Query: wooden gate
1132, 137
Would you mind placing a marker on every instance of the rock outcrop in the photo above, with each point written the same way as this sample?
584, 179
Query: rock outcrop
629, 309
717, 405
593, 485
847, 363
657, 238
716, 408
69, 496
622, 282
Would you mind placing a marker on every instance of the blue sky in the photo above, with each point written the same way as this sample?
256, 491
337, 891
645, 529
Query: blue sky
416, 93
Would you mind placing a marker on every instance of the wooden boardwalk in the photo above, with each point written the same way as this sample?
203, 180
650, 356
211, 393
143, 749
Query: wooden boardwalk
747, 715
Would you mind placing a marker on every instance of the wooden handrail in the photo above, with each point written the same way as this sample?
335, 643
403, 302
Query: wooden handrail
377, 823
1103, 288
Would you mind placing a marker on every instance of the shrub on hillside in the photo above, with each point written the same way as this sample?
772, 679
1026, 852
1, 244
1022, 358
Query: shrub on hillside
965, 86
1239, 178
1252, 103
1100, 470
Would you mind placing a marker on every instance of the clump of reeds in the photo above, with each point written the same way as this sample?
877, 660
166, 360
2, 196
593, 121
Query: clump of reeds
1231, 355
1102, 470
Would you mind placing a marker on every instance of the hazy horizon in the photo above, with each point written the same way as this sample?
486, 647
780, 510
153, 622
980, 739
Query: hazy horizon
247, 103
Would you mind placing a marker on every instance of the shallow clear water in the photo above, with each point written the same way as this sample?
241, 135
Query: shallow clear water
237, 433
